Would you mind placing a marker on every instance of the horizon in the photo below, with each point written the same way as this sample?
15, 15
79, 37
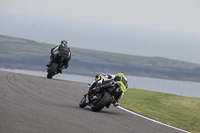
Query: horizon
100, 50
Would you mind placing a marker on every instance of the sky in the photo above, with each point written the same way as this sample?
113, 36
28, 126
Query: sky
164, 28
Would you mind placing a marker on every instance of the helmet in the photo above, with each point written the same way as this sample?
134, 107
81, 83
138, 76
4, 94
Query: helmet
64, 42
122, 75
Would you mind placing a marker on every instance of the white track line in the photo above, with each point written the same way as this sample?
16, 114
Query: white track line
152, 119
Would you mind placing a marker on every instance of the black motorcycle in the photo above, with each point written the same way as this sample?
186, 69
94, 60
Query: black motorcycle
55, 68
102, 95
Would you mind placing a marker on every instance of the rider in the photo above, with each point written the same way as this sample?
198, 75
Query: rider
120, 78
64, 50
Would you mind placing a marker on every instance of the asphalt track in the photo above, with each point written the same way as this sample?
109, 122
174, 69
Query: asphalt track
31, 104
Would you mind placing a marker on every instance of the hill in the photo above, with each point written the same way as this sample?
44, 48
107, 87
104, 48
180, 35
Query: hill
18, 53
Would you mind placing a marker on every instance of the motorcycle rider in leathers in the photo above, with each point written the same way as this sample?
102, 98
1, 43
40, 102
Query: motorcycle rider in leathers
120, 78
64, 50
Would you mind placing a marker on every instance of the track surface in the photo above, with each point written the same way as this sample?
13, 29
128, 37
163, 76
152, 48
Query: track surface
30, 104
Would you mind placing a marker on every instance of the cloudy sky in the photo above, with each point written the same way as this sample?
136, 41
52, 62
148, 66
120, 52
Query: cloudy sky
163, 26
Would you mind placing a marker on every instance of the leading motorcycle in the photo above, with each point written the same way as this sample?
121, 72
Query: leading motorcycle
55, 68
102, 95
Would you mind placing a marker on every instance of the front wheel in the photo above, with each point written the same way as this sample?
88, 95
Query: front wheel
101, 103
52, 70
83, 103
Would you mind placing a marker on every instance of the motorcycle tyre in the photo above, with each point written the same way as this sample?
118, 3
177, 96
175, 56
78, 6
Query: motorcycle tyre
52, 70
82, 103
102, 103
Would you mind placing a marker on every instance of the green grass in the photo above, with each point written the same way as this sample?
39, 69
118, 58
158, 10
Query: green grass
178, 111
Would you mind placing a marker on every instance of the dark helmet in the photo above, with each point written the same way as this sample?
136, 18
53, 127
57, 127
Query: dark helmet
64, 42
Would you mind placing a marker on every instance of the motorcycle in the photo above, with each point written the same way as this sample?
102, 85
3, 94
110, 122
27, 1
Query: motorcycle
56, 66
102, 95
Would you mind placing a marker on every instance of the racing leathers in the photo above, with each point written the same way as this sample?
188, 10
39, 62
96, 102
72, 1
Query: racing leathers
65, 51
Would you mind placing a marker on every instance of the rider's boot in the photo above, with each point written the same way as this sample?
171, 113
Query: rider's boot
65, 65
60, 70
116, 103
50, 62
62, 67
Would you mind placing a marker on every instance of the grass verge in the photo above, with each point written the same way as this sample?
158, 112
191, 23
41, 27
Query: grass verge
178, 111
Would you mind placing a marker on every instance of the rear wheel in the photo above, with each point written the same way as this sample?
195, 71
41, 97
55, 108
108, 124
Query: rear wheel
101, 103
52, 70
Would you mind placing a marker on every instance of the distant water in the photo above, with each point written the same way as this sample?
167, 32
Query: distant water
183, 88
